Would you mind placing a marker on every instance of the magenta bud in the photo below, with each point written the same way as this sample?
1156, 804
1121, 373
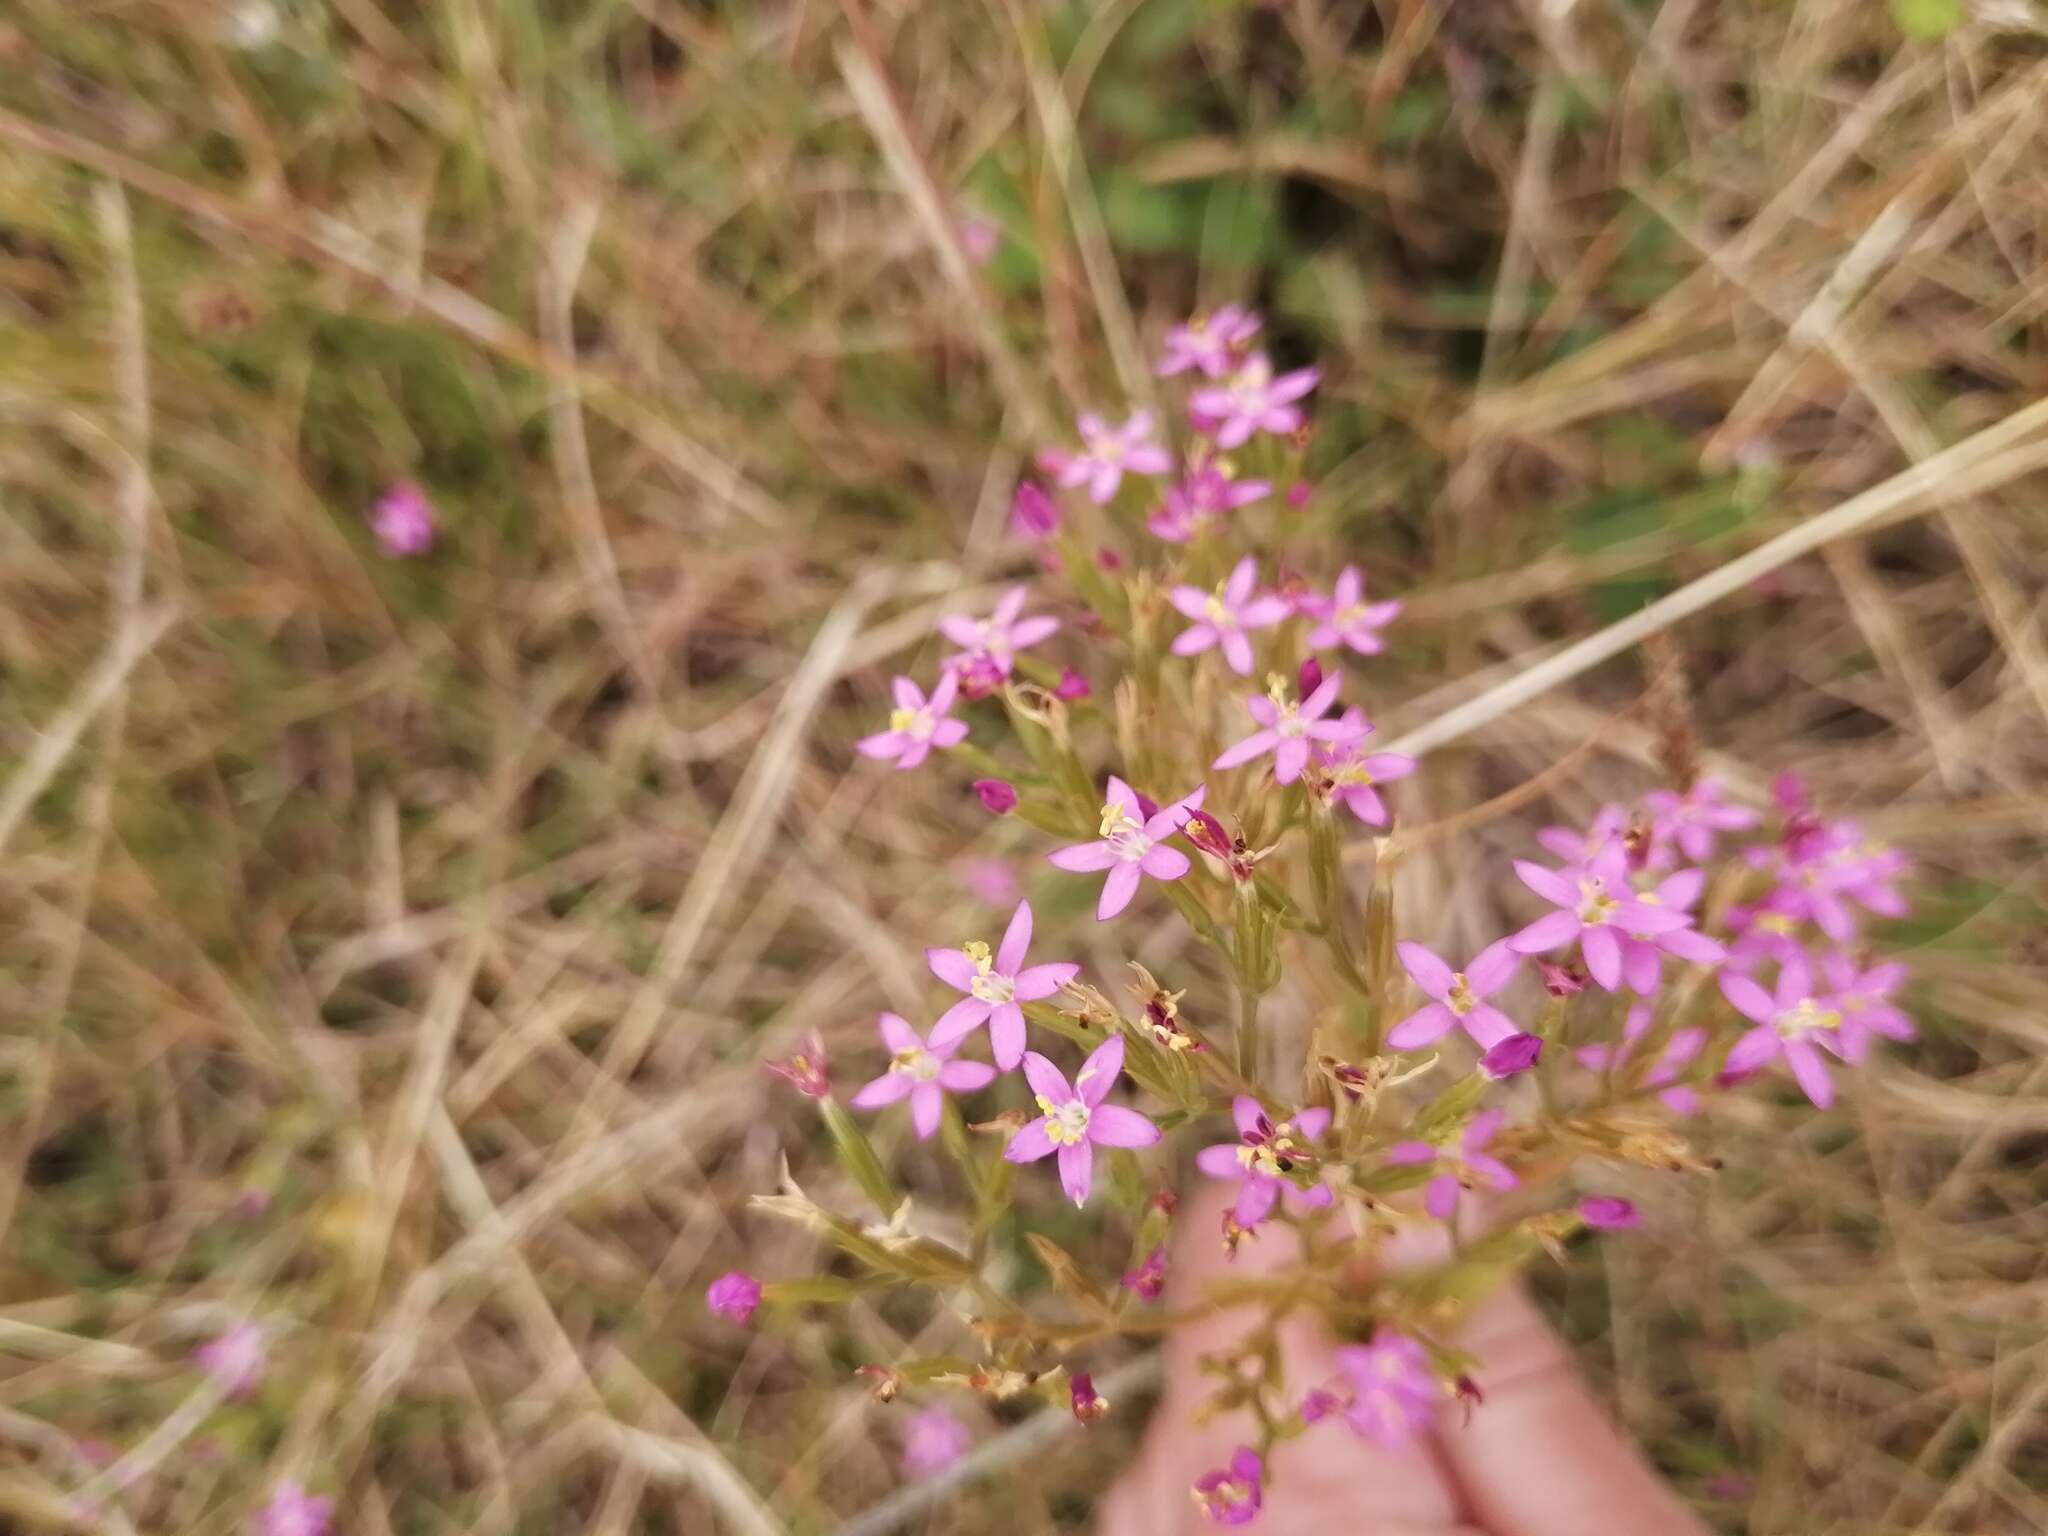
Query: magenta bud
734, 1295
1298, 494
1311, 677
1517, 1053
1088, 1406
1109, 559
978, 676
1207, 834
1034, 516
998, 796
1608, 1213
1072, 685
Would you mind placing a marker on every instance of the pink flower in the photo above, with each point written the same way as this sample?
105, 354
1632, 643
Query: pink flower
1457, 997
995, 984
1642, 954
1469, 1165
932, 1441
1034, 516
1076, 1120
1253, 400
734, 1295
1071, 686
1595, 907
806, 1069
1201, 502
1609, 829
234, 1360
1088, 1404
978, 238
1210, 343
1393, 1391
1149, 1278
1678, 1053
1862, 997
1354, 777
1692, 820
1222, 617
925, 1074
999, 636
1107, 452
1287, 728
1764, 930
1792, 1023
1517, 1053
1232, 1495
1263, 1158
917, 724
403, 521
1131, 844
1348, 619
991, 881
998, 796
1609, 1213
293, 1512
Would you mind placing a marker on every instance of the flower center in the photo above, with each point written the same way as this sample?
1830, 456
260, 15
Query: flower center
989, 984
1116, 820
1218, 612
1595, 905
1225, 1498
1252, 379
1460, 1001
1066, 1124
915, 1063
902, 719
1806, 1019
1774, 922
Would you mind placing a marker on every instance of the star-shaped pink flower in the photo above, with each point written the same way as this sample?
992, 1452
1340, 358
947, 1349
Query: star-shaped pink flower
1075, 1120
1211, 343
1223, 617
923, 1073
1457, 997
1253, 400
917, 724
998, 637
1108, 452
1132, 844
1263, 1157
1346, 618
1287, 728
995, 984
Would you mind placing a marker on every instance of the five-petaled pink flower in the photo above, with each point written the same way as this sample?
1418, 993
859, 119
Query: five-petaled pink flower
1200, 503
1132, 844
998, 637
1346, 618
1075, 1118
234, 1360
995, 985
734, 1295
1642, 954
403, 521
1677, 1054
1594, 906
1222, 617
1232, 1495
1863, 998
932, 1441
917, 724
1470, 1164
1791, 1022
294, 1512
1253, 400
1608, 829
1287, 728
1108, 452
1211, 343
1692, 819
924, 1073
1354, 776
1457, 997
1264, 1158
1393, 1392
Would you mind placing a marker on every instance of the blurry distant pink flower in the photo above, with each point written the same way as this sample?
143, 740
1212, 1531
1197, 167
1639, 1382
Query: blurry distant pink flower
1034, 516
1075, 1120
1609, 1213
917, 724
1001, 635
1071, 686
1210, 343
1148, 1280
979, 238
1287, 729
1677, 1054
1393, 1391
1609, 829
293, 1512
1642, 954
1863, 998
734, 1295
1132, 844
1596, 907
1470, 1164
988, 880
1693, 819
807, 1069
403, 520
1253, 400
997, 984
235, 1360
1348, 619
1221, 618
1107, 453
932, 1441
1355, 775
1232, 1495
1201, 502
1456, 997
1790, 1022
922, 1073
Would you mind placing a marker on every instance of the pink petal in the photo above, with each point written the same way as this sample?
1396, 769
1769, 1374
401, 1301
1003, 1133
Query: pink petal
1192, 642
1289, 758
1237, 651
1488, 1025
961, 630
1035, 982
1082, 858
1603, 955
1077, 1170
1312, 1123
1016, 940
881, 744
1810, 1072
1006, 1035
1046, 1080
1192, 602
965, 1076
896, 1033
1099, 1072
1112, 1125
1423, 1027
1748, 998
1220, 1161
1546, 933
1755, 1048
1247, 1113
1243, 577
1031, 631
1163, 863
1441, 1198
1547, 883
1492, 968
1252, 746
949, 733
884, 1090
958, 1022
1642, 967
906, 694
926, 1102
952, 967
1262, 612
1427, 967
1256, 1198
1405, 1154
1117, 890
1029, 1144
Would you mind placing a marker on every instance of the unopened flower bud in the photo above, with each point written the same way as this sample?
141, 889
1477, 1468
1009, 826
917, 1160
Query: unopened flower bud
1517, 1053
1071, 686
978, 676
998, 796
1310, 678
734, 1295
1088, 1404
1298, 494
1034, 516
1609, 1213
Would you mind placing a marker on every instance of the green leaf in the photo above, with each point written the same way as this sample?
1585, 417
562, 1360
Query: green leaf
857, 1157
1928, 20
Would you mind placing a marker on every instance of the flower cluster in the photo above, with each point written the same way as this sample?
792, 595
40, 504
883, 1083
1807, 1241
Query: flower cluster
1662, 953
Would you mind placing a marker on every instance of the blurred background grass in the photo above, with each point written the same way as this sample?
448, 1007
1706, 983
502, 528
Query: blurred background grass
451, 904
